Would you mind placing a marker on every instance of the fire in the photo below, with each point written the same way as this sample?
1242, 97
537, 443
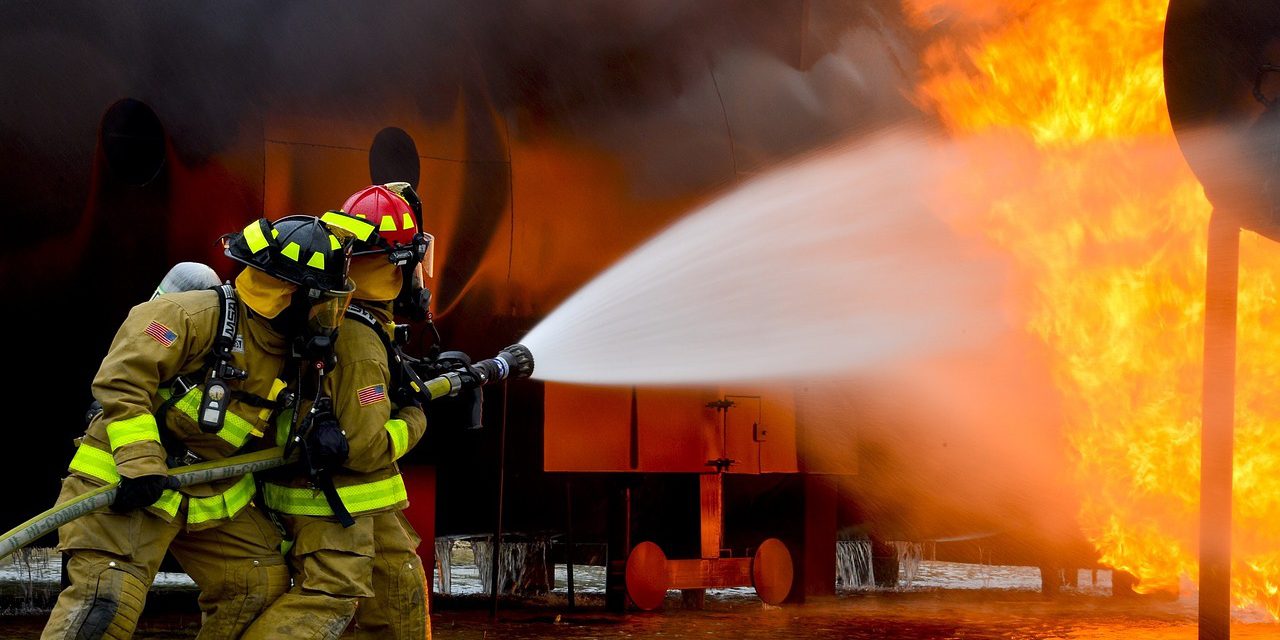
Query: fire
1108, 233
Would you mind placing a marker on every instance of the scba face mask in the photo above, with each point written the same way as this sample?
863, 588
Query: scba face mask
325, 313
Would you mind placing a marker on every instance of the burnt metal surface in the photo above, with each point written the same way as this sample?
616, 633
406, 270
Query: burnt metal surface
546, 141
1219, 80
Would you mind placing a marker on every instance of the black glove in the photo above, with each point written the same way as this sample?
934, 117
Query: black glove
404, 396
135, 493
326, 444
95, 409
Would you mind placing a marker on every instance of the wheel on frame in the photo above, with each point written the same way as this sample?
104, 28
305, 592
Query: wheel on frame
647, 576
772, 572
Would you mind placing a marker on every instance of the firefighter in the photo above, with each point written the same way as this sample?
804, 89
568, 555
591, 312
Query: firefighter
193, 376
373, 560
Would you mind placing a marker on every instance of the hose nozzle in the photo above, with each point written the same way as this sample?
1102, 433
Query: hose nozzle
516, 361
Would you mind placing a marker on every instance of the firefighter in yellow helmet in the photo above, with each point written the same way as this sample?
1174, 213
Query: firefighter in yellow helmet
194, 376
360, 549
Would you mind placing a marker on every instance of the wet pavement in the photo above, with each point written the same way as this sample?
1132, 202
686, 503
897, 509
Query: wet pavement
973, 614
944, 600
919, 615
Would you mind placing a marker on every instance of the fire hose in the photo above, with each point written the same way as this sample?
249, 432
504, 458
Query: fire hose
200, 473
514, 361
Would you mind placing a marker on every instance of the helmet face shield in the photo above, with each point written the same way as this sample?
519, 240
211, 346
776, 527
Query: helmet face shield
326, 312
428, 264
419, 276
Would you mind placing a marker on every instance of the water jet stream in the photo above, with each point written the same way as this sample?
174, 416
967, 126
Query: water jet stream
835, 263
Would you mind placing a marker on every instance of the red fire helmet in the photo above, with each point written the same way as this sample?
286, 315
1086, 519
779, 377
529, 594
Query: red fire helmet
388, 211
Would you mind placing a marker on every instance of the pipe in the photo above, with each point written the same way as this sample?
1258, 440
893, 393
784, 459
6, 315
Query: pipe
495, 560
1218, 423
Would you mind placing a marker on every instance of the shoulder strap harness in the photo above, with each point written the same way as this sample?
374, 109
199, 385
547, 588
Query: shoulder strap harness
403, 376
217, 394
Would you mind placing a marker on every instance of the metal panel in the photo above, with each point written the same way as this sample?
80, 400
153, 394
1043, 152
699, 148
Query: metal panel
587, 428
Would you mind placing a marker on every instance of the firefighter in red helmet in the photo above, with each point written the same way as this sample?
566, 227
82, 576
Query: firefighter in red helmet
372, 560
195, 376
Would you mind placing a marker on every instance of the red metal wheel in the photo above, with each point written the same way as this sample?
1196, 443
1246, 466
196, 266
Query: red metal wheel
647, 576
772, 572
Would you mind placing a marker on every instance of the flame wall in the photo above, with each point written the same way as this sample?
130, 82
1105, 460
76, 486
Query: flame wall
1108, 227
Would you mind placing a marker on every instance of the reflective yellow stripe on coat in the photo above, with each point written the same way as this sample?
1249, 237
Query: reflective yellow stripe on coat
224, 505
101, 465
136, 429
399, 432
357, 497
235, 430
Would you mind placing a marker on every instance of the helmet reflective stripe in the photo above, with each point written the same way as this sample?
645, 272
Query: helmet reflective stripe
361, 229
255, 237
300, 250
391, 210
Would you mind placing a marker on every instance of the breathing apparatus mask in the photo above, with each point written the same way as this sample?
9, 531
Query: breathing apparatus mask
319, 314
416, 260
385, 221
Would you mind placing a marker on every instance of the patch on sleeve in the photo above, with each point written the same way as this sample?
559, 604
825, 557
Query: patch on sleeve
162, 334
371, 394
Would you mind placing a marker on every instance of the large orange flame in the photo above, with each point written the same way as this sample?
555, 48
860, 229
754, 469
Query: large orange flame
1108, 231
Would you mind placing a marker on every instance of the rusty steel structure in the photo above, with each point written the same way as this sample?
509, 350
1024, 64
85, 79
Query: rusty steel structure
546, 143
1220, 64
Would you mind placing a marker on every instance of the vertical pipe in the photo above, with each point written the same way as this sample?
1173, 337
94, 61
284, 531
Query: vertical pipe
711, 491
496, 547
568, 533
633, 443
1221, 287
615, 580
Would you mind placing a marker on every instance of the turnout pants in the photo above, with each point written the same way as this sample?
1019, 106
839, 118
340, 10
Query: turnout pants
113, 557
398, 608
337, 572
332, 570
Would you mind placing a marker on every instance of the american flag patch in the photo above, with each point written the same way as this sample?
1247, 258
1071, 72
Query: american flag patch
162, 334
371, 394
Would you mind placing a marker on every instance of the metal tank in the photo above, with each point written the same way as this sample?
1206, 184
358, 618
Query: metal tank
546, 139
1222, 82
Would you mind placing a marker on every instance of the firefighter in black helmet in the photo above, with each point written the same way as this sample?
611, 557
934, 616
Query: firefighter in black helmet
355, 557
194, 376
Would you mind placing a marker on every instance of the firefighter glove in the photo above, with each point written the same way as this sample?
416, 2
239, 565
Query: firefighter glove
326, 444
403, 396
135, 493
